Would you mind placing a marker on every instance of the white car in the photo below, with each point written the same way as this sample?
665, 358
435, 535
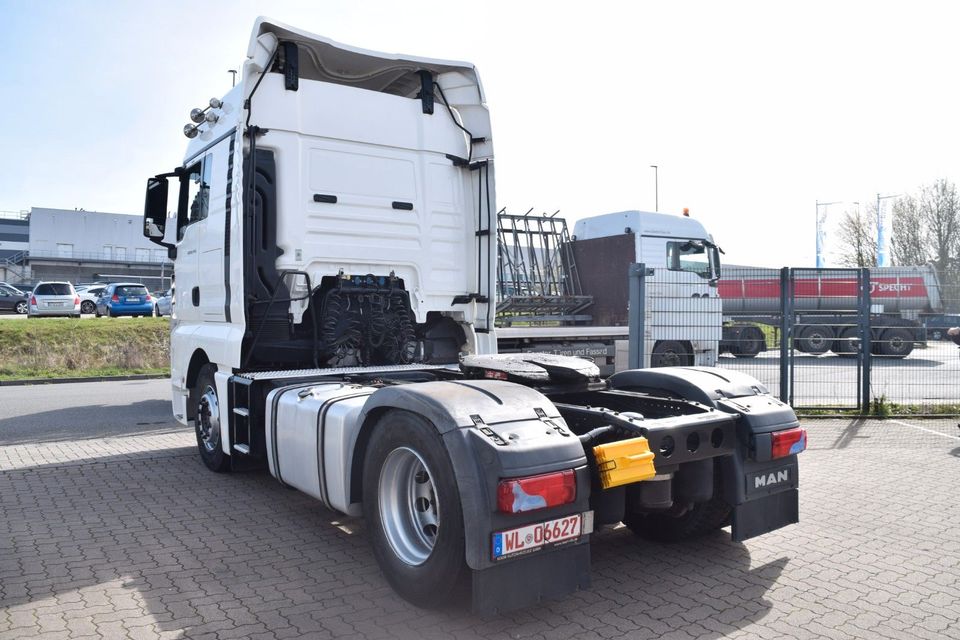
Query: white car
54, 299
164, 303
88, 297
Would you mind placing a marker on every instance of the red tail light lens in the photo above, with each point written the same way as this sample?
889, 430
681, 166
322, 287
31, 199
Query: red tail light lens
76, 300
33, 300
115, 298
149, 298
788, 443
516, 495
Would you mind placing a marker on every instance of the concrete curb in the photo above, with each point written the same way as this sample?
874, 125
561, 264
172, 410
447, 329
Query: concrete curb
31, 381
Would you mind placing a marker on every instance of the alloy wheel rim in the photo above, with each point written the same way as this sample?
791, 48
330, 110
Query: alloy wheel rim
409, 506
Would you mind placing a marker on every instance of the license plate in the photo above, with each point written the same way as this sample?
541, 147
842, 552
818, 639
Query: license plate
133, 299
534, 537
55, 304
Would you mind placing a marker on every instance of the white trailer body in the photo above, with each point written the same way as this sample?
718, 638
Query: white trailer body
333, 242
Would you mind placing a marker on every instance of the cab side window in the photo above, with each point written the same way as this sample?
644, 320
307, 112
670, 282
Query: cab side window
199, 189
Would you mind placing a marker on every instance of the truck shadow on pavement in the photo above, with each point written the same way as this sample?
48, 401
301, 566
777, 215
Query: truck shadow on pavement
88, 422
159, 545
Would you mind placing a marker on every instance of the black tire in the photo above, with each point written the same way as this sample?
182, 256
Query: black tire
701, 519
670, 353
895, 343
87, 306
750, 344
76, 317
156, 311
431, 575
21, 308
815, 339
206, 407
844, 345
96, 312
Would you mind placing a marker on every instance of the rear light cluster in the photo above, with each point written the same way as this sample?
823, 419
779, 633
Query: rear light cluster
115, 298
33, 300
515, 495
76, 300
149, 298
787, 443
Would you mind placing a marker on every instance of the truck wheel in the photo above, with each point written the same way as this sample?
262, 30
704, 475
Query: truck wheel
207, 411
816, 339
411, 500
701, 519
895, 343
750, 344
845, 346
670, 353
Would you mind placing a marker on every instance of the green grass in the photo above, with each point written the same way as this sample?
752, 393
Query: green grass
68, 348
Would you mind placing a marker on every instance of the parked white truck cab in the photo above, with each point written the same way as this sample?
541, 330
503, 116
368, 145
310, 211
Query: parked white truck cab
334, 250
682, 313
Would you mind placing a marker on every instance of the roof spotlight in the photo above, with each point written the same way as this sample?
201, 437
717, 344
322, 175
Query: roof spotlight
212, 117
190, 130
215, 103
197, 115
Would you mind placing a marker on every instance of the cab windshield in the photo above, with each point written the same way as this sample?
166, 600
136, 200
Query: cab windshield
696, 256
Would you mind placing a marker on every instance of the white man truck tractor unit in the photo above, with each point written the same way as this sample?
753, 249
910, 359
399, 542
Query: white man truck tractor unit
334, 246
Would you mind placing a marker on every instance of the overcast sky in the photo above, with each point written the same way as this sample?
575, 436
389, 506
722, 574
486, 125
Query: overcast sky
752, 111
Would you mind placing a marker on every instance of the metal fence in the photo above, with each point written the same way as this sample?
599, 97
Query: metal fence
820, 339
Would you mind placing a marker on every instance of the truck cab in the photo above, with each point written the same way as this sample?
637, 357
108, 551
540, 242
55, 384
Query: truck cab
683, 313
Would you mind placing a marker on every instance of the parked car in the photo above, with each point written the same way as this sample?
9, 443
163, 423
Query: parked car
54, 299
13, 302
89, 295
9, 288
164, 303
125, 299
937, 326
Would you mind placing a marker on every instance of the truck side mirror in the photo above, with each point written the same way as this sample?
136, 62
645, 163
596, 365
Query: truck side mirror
155, 209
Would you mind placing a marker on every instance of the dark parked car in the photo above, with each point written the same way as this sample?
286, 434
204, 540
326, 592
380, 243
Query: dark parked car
937, 326
13, 302
125, 299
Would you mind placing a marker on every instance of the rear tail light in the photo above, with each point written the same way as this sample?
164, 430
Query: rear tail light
515, 495
76, 300
149, 298
787, 443
115, 298
33, 300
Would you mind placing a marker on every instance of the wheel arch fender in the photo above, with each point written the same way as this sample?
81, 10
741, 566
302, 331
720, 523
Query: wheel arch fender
705, 385
451, 407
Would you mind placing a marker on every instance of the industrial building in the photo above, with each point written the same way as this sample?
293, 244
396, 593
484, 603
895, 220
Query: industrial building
79, 246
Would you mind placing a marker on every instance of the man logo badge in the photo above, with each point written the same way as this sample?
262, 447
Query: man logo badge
771, 479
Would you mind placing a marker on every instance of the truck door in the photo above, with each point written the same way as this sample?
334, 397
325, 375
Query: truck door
194, 199
212, 236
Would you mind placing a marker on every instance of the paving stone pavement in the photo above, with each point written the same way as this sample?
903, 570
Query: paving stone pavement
133, 538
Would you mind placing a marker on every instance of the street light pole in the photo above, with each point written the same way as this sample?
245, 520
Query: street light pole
656, 189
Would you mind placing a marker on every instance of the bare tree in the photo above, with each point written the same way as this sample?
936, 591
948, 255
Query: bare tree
857, 234
909, 241
926, 230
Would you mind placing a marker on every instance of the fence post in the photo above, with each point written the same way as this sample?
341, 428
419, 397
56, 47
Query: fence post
636, 315
786, 331
865, 333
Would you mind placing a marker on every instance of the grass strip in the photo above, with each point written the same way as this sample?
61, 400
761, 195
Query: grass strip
38, 348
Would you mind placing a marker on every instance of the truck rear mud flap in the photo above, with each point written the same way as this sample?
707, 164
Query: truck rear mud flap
540, 576
763, 494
